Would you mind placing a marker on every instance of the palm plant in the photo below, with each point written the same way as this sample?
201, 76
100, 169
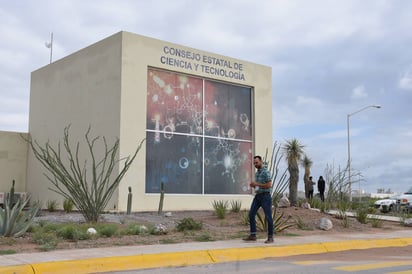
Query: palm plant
307, 164
293, 151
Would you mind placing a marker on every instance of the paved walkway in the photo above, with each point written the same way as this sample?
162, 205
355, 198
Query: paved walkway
156, 256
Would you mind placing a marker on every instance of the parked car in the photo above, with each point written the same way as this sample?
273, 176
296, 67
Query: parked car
386, 205
405, 199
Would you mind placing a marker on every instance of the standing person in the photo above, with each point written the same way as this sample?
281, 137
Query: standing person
263, 198
321, 188
310, 188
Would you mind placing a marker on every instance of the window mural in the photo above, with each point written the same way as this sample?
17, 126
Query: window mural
199, 135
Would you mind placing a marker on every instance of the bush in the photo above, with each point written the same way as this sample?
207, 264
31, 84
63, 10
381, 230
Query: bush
220, 208
236, 206
188, 224
52, 205
68, 205
107, 230
71, 232
362, 215
46, 240
136, 229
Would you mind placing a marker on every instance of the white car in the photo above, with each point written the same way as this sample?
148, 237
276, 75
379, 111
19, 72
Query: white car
390, 203
406, 198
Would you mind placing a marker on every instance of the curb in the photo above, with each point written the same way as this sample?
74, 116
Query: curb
186, 258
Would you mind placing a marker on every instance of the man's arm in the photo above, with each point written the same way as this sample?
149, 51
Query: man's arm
268, 184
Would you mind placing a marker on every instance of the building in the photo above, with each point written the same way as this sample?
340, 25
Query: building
203, 116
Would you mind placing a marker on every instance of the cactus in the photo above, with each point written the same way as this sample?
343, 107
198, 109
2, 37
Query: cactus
162, 196
129, 201
11, 199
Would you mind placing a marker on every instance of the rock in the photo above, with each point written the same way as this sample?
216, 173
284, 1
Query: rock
407, 222
168, 214
91, 231
160, 229
284, 202
325, 224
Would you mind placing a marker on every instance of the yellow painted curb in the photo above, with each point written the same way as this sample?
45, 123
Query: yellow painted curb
186, 258
17, 269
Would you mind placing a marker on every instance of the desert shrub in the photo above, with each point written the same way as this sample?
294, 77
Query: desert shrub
205, 237
136, 229
245, 217
220, 208
345, 221
72, 232
107, 230
46, 240
188, 224
300, 223
376, 222
235, 206
372, 210
68, 205
7, 252
362, 215
52, 205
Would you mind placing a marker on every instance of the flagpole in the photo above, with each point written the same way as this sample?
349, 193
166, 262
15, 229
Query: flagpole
51, 47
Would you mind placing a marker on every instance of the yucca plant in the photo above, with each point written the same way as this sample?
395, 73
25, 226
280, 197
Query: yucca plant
14, 220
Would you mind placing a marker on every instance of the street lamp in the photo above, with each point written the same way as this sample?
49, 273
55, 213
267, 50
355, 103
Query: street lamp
347, 121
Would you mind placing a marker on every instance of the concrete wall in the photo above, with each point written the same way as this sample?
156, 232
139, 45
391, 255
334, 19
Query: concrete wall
104, 85
13, 161
80, 90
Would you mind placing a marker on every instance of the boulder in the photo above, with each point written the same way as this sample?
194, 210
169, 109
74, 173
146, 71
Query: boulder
325, 224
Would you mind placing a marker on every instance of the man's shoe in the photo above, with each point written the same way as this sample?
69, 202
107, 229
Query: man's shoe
269, 240
250, 238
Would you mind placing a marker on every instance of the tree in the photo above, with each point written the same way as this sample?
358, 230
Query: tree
307, 164
293, 151
89, 185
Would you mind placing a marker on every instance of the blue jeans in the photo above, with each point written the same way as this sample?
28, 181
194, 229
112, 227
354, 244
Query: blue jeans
263, 200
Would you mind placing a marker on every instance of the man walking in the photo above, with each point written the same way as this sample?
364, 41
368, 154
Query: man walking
263, 198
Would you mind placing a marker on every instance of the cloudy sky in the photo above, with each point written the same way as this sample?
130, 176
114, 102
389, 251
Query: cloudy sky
329, 59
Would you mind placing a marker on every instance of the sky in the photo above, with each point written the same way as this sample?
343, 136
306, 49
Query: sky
329, 59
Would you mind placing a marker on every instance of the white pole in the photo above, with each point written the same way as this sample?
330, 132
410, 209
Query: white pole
349, 160
51, 47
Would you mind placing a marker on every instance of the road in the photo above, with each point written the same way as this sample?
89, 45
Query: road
377, 260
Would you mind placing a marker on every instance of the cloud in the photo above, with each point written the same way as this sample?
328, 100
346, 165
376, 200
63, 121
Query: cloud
359, 92
405, 82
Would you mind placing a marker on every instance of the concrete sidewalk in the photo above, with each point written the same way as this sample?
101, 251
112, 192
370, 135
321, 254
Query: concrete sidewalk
166, 255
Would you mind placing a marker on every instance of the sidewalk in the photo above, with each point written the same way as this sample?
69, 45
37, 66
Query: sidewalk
166, 255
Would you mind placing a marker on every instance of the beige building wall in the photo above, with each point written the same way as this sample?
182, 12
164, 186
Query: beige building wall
13, 161
104, 85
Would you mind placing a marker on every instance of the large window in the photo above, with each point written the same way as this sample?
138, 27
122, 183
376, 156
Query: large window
199, 135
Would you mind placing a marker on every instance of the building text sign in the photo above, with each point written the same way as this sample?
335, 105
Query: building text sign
193, 61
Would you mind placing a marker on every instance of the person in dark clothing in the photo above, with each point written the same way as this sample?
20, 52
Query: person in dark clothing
263, 199
321, 188
310, 188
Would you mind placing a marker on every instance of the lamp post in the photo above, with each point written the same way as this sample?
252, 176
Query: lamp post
347, 121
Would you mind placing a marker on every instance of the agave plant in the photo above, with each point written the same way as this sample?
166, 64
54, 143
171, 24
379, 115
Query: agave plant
14, 220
